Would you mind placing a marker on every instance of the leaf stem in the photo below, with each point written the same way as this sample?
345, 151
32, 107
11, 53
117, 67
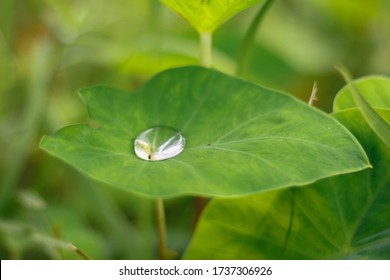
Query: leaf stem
161, 229
199, 204
206, 49
250, 37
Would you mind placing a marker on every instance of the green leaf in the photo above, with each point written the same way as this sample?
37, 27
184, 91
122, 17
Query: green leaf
240, 138
208, 15
343, 217
377, 123
375, 89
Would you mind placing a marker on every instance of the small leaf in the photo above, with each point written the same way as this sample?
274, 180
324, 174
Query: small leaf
375, 89
377, 123
343, 217
240, 138
208, 15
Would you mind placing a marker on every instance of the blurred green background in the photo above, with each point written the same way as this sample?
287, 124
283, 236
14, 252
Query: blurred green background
50, 49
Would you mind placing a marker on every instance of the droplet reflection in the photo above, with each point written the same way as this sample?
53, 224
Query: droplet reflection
159, 143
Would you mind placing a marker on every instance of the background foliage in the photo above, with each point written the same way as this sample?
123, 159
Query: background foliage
50, 49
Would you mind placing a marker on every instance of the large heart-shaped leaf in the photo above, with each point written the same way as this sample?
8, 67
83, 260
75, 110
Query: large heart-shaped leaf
208, 15
347, 216
240, 138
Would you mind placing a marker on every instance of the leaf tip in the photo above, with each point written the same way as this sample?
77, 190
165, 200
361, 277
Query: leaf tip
42, 142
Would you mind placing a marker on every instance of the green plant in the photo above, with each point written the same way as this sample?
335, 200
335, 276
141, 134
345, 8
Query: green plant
285, 180
342, 217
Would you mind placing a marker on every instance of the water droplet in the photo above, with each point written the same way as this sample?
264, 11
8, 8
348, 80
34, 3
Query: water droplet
159, 143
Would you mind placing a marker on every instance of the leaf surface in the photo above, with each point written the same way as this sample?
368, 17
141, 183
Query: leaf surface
342, 217
375, 90
208, 15
240, 138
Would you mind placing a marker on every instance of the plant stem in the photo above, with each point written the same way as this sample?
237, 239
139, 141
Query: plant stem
250, 37
206, 49
161, 229
199, 204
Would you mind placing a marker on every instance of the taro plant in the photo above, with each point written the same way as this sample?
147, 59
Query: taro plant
284, 179
341, 217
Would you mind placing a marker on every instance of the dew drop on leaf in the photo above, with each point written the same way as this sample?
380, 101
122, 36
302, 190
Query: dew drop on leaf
159, 143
